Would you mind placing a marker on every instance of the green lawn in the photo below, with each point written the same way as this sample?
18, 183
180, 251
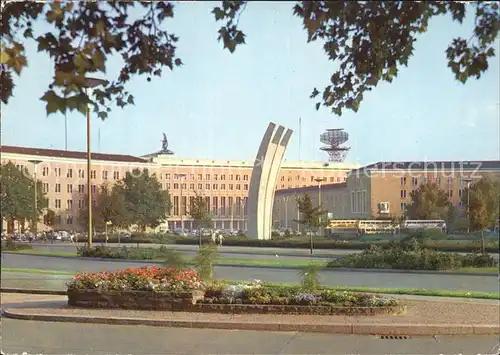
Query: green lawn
393, 291
243, 262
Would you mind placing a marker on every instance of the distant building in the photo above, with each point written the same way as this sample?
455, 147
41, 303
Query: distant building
224, 183
382, 189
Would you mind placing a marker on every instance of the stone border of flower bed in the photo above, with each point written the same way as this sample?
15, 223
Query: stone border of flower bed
187, 302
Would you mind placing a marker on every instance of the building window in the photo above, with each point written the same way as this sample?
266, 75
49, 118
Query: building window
223, 186
245, 178
58, 188
238, 186
57, 171
200, 176
94, 189
69, 204
168, 185
57, 203
414, 181
176, 186
45, 171
167, 176
214, 187
450, 193
69, 188
105, 174
237, 178
282, 178
460, 193
69, 220
191, 176
116, 175
69, 173
246, 186
81, 188
191, 186
45, 187
223, 177
403, 180
81, 173
207, 186
403, 206
93, 174
200, 186
230, 186
215, 176
403, 193
223, 206
207, 176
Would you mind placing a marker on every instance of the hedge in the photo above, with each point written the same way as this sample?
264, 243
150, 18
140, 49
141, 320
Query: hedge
294, 242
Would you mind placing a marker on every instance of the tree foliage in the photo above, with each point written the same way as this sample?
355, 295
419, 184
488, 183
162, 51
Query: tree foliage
200, 213
110, 207
370, 40
482, 204
49, 219
17, 192
147, 205
310, 216
429, 201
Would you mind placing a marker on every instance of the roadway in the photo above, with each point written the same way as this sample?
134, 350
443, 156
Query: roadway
34, 337
328, 277
227, 251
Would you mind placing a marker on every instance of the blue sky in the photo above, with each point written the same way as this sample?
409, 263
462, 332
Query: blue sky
218, 104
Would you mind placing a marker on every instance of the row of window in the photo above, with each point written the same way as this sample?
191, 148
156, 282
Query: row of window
218, 205
69, 203
449, 193
231, 187
436, 180
231, 177
313, 178
81, 173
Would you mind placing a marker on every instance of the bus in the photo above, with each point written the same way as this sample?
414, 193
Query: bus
413, 224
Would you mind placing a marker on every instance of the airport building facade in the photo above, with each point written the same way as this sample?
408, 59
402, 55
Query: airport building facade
381, 190
224, 183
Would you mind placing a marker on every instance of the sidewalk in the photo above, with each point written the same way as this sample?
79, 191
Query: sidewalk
422, 317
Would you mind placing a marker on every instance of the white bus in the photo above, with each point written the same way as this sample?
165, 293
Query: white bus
424, 224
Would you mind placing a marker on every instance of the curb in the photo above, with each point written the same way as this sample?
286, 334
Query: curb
33, 291
271, 267
334, 328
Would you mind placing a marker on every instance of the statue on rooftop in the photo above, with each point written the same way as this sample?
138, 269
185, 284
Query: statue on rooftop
164, 143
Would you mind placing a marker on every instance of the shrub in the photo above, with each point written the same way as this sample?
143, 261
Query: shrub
310, 277
10, 245
173, 258
204, 262
146, 278
130, 253
410, 255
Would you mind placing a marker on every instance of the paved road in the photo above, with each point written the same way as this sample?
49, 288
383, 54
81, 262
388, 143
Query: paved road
191, 250
330, 278
230, 251
67, 338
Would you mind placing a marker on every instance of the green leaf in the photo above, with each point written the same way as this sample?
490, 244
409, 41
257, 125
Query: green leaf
102, 115
219, 13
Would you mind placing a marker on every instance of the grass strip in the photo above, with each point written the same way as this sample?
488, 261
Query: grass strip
221, 261
392, 291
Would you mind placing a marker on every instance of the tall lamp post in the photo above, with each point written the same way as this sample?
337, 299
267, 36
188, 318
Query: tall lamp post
90, 83
35, 221
468, 182
319, 181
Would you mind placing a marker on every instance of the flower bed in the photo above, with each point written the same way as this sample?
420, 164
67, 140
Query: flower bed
147, 287
258, 298
183, 290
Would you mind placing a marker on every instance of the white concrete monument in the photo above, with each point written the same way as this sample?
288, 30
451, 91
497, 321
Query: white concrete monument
263, 181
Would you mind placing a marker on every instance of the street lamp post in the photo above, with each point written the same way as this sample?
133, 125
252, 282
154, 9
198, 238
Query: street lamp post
468, 181
35, 221
319, 181
90, 83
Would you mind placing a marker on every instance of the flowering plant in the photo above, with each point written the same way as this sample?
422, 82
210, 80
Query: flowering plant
146, 278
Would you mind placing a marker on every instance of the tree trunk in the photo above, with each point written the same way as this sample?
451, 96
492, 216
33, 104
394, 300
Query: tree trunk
483, 246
